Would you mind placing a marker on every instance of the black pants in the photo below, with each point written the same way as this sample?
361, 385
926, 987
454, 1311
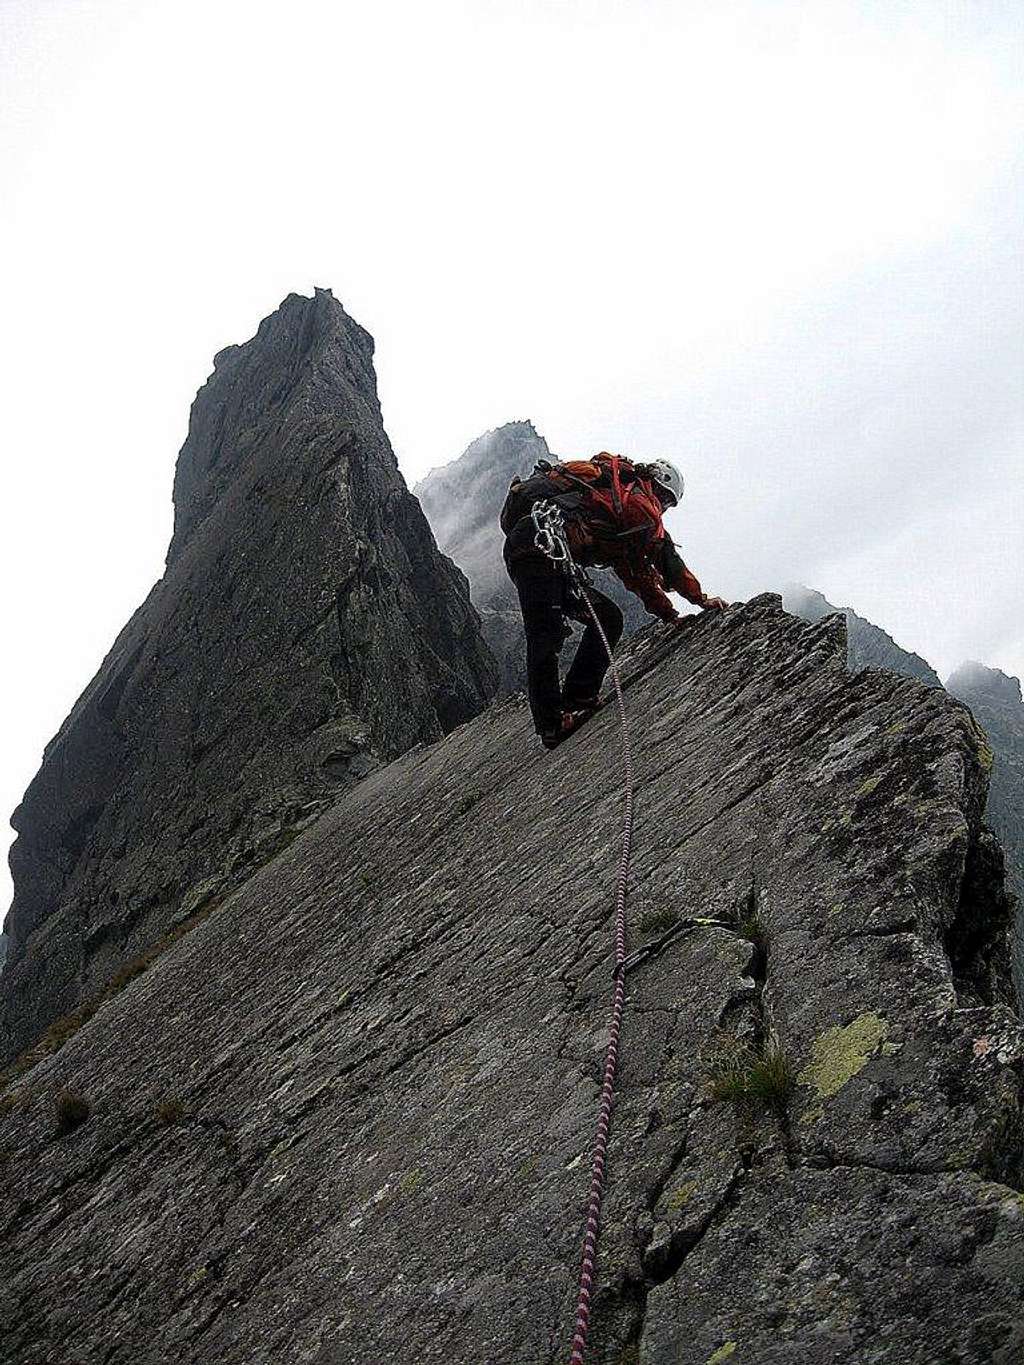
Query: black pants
548, 597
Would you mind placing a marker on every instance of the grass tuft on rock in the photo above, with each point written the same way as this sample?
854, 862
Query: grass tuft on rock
752, 927
658, 921
747, 1077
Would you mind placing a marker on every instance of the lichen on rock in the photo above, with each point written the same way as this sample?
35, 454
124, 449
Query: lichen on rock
839, 1053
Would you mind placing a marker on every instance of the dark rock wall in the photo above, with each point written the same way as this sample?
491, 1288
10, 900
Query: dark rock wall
350, 1116
995, 700
462, 501
305, 629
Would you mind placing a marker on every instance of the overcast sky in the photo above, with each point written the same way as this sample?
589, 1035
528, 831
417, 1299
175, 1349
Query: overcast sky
778, 242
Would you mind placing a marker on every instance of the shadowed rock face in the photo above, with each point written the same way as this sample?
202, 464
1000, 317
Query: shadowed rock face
462, 502
995, 700
386, 1049
305, 629
869, 646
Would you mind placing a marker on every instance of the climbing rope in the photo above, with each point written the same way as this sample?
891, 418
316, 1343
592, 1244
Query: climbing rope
550, 538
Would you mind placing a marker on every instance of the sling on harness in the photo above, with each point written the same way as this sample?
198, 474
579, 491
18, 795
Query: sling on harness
551, 540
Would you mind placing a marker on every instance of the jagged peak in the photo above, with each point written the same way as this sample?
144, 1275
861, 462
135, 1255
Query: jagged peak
870, 644
972, 676
258, 676
307, 340
494, 451
321, 306
522, 429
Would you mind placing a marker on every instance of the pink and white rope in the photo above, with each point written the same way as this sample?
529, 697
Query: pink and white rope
597, 1176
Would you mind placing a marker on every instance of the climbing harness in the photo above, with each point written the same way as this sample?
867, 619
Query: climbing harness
550, 538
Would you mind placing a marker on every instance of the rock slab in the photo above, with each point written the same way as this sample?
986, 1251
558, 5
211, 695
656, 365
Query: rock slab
349, 1117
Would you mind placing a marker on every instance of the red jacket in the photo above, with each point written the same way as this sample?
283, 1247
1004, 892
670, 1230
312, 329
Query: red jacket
614, 522
647, 575
646, 564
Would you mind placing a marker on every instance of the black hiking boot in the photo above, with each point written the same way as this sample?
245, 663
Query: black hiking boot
585, 704
570, 723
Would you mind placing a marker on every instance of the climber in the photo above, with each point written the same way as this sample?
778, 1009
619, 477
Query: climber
613, 516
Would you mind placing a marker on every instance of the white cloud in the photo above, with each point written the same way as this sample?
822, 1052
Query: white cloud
780, 241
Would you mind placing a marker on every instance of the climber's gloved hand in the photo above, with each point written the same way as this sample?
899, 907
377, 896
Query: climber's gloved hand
714, 604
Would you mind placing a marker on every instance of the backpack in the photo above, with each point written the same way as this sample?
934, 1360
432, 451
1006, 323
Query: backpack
609, 495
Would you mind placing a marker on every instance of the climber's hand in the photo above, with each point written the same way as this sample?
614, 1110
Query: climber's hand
714, 604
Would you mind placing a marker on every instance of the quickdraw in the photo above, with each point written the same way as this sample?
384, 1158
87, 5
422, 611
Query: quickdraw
549, 533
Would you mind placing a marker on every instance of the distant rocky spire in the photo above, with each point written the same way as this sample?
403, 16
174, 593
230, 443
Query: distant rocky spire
462, 501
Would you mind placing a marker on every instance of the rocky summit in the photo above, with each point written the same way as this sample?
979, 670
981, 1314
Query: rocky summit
462, 502
305, 630
348, 1117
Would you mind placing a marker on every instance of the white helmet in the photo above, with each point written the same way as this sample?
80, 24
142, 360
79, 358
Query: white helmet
668, 478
